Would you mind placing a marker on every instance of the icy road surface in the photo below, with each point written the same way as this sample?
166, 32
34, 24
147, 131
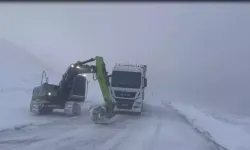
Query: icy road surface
160, 128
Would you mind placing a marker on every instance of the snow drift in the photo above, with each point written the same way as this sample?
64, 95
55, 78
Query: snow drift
229, 131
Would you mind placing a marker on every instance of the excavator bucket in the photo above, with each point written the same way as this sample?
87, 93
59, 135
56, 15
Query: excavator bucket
99, 115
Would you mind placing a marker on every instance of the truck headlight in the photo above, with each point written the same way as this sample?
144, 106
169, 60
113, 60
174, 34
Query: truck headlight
49, 93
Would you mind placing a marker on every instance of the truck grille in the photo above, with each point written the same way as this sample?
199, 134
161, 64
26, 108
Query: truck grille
125, 94
124, 103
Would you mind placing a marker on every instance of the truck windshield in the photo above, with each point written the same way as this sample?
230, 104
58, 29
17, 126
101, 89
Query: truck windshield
126, 79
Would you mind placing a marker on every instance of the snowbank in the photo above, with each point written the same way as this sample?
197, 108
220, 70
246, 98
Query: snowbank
229, 132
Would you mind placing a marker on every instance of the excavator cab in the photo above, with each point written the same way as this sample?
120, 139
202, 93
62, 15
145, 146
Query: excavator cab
79, 89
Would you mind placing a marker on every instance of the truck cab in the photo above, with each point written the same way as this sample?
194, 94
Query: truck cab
127, 87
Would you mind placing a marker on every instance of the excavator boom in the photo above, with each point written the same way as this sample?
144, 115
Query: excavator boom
103, 79
99, 114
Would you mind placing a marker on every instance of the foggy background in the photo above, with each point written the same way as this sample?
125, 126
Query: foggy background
196, 53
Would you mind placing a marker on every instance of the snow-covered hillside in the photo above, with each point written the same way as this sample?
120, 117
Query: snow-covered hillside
20, 67
19, 73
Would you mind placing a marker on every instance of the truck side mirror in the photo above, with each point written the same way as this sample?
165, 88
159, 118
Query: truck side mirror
145, 82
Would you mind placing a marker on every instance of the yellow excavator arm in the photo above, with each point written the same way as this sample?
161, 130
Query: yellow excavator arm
100, 113
103, 79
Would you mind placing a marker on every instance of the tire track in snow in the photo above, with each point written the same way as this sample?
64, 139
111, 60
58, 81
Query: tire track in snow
116, 141
21, 141
157, 129
155, 138
152, 141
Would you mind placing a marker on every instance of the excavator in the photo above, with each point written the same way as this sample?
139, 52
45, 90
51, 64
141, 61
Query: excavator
72, 91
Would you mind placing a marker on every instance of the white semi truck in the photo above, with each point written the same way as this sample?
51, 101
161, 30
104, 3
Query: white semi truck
127, 87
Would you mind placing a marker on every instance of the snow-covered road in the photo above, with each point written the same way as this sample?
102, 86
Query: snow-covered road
159, 128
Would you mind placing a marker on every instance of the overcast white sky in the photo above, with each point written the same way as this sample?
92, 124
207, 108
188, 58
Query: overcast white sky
199, 52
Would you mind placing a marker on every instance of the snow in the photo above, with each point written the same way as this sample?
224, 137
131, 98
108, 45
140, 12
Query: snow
15, 111
159, 128
230, 131
20, 72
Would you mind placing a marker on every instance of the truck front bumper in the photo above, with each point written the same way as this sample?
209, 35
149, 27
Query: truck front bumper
128, 105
